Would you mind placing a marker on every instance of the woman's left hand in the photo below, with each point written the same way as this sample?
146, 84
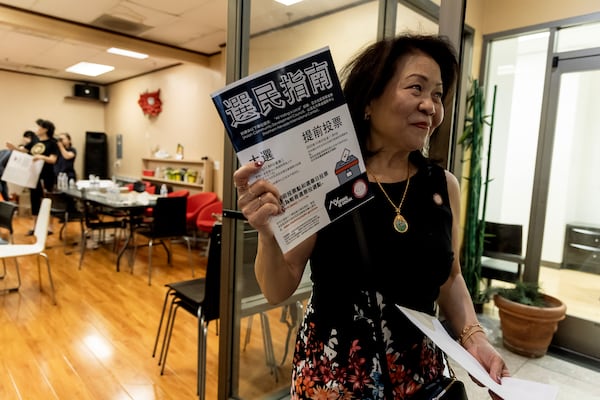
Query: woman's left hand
480, 348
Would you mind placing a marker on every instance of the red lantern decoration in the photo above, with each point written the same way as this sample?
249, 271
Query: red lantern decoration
150, 103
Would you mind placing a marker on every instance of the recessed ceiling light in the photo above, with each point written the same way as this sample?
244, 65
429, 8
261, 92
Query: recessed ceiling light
127, 53
89, 69
288, 2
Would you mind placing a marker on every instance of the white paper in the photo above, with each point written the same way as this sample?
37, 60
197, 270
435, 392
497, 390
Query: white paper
22, 170
510, 389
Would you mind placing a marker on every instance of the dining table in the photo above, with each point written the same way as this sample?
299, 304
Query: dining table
130, 204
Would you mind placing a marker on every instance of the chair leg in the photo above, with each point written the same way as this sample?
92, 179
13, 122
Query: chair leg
168, 330
268, 344
167, 339
13, 288
294, 311
62, 234
82, 246
45, 256
189, 248
248, 331
167, 250
202, 334
150, 243
160, 323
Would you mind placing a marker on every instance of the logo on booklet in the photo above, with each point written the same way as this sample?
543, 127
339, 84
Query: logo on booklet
360, 188
340, 202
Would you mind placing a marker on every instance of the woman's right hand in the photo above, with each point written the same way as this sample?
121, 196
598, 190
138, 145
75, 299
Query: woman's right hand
258, 201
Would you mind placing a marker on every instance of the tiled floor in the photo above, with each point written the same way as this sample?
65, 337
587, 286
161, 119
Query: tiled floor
574, 382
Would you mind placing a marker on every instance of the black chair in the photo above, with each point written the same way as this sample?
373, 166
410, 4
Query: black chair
7, 213
65, 209
168, 221
95, 221
502, 252
199, 297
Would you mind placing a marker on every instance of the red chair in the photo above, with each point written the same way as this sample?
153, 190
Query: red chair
177, 193
208, 217
195, 203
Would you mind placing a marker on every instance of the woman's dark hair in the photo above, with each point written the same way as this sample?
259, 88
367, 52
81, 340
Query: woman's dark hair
365, 77
29, 135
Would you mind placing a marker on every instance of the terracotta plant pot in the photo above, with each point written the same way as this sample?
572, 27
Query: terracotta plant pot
528, 330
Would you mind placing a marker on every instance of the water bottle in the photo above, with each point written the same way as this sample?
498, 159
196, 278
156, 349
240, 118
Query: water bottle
61, 181
163, 190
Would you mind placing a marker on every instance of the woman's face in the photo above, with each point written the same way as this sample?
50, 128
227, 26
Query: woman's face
410, 107
64, 140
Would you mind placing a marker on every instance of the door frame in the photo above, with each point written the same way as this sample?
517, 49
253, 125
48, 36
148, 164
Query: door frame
574, 335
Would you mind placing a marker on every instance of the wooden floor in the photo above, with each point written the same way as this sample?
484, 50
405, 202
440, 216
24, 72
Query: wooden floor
96, 343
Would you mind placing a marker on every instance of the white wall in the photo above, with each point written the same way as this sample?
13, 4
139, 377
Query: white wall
26, 98
188, 117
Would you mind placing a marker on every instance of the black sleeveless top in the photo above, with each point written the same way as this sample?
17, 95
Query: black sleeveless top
352, 306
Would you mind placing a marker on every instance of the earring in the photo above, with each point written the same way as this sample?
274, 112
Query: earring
367, 116
425, 148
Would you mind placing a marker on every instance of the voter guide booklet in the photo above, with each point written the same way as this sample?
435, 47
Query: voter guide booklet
510, 389
294, 118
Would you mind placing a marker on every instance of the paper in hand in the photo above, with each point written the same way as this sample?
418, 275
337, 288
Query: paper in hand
510, 389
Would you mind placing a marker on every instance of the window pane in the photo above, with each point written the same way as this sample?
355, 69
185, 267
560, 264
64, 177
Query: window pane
578, 37
516, 68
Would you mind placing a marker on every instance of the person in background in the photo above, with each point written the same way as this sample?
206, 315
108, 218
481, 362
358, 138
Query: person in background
29, 139
4, 156
46, 150
66, 157
399, 248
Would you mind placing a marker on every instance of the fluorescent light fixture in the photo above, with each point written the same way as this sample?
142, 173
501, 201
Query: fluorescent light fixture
288, 2
127, 53
89, 69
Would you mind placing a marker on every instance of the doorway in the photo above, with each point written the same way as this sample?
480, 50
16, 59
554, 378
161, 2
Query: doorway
543, 163
572, 223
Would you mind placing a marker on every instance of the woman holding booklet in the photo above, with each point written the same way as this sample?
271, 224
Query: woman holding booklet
399, 248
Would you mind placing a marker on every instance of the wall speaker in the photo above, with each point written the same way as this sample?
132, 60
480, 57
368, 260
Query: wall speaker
88, 91
96, 155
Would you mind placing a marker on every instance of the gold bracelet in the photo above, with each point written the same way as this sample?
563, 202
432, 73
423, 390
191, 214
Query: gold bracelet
466, 330
471, 333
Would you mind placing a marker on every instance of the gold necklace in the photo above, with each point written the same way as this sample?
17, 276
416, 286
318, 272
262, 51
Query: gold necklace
400, 224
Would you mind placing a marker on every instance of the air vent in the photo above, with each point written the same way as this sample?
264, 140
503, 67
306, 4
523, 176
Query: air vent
113, 23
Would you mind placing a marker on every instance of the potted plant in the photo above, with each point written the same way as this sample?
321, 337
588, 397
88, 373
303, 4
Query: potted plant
472, 139
528, 318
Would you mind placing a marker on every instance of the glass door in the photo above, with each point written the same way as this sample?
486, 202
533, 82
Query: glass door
570, 265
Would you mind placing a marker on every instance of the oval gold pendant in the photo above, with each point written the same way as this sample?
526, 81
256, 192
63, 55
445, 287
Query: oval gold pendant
400, 224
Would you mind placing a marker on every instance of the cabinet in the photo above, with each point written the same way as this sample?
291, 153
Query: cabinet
202, 183
582, 248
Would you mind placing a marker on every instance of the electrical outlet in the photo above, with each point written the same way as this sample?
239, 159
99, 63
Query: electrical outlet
216, 165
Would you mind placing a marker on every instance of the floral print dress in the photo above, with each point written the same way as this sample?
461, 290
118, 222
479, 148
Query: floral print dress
354, 343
